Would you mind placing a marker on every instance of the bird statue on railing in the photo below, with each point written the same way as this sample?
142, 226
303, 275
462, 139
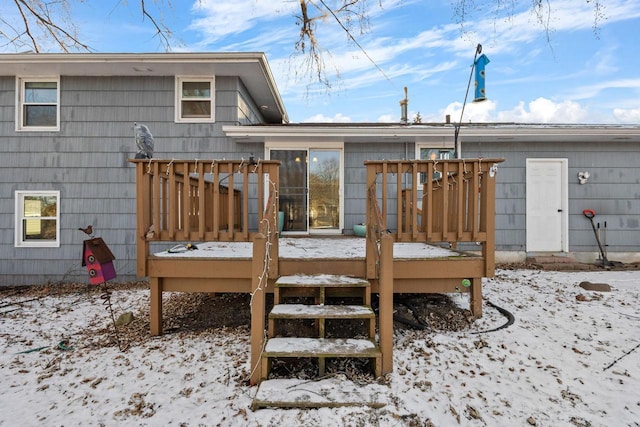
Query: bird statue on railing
144, 141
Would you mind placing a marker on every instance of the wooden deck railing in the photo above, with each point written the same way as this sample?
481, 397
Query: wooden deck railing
456, 204
204, 200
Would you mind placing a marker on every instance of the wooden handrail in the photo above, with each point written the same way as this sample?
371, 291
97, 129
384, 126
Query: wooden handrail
203, 200
376, 228
457, 203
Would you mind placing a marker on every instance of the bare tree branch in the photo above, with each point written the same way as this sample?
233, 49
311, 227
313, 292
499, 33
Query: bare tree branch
41, 13
352, 38
47, 24
348, 14
162, 31
506, 9
26, 26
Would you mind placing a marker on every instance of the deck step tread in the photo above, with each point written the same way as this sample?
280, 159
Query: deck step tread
320, 347
313, 311
321, 280
331, 392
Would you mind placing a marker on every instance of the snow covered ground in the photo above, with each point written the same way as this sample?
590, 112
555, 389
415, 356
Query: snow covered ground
570, 359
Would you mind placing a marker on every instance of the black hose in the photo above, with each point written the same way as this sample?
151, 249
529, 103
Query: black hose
416, 322
409, 322
422, 325
505, 313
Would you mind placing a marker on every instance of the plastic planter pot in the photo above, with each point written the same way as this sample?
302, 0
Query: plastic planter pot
360, 230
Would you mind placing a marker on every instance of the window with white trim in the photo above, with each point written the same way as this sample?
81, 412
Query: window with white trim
431, 153
195, 99
37, 219
38, 104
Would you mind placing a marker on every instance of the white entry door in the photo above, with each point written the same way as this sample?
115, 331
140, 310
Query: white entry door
547, 205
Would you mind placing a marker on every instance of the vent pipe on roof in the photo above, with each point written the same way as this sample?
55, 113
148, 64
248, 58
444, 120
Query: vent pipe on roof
403, 108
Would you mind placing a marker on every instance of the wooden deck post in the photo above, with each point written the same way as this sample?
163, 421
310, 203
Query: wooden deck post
143, 218
385, 325
155, 309
258, 285
371, 248
488, 220
476, 297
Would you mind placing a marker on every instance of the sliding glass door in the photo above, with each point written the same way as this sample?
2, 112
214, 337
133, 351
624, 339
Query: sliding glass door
324, 189
293, 188
309, 189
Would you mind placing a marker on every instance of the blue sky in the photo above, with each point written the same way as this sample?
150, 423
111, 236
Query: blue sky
570, 75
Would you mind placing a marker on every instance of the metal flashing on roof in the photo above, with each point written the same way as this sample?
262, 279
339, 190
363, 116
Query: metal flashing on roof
426, 133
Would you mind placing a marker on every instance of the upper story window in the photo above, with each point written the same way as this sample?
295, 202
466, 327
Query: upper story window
38, 104
195, 99
37, 219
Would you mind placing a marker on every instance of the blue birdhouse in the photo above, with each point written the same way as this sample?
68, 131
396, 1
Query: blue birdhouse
480, 63
98, 259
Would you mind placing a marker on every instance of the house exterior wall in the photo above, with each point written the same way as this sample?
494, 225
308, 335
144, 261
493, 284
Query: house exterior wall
248, 112
612, 191
87, 162
355, 177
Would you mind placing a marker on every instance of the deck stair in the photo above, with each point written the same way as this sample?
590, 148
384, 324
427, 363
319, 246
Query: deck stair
323, 290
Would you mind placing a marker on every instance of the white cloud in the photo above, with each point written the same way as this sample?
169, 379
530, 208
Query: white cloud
627, 115
540, 110
543, 110
477, 112
220, 18
424, 57
351, 68
559, 16
321, 118
387, 118
595, 89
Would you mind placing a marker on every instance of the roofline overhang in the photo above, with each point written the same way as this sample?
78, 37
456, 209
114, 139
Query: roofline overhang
154, 64
436, 133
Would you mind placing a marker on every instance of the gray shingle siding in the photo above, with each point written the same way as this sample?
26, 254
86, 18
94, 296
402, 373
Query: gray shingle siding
87, 162
355, 177
612, 190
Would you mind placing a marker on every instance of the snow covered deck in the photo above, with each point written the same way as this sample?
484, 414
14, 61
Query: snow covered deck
300, 248
413, 208
227, 266
231, 267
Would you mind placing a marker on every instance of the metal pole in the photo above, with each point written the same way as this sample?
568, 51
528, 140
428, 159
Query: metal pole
456, 150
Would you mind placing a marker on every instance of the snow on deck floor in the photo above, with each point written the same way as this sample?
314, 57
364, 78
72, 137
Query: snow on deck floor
311, 248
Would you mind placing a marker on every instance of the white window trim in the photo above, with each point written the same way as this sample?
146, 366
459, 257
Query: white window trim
440, 145
178, 99
312, 144
431, 146
20, 81
19, 214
